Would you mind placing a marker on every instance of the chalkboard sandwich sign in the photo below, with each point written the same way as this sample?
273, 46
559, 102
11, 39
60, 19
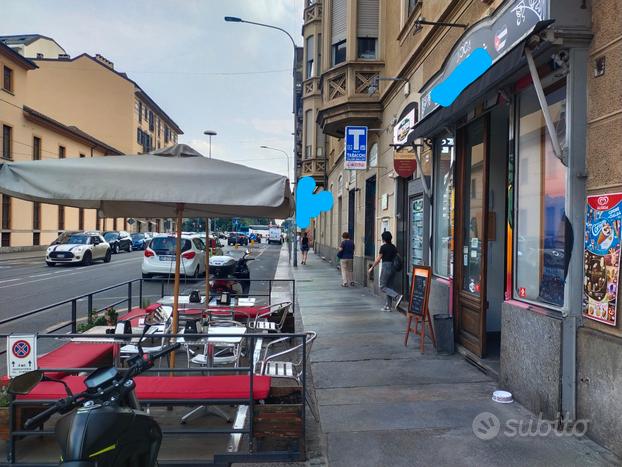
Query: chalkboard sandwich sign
418, 304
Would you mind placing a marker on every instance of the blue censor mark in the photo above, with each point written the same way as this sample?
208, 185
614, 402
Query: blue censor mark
474, 66
309, 205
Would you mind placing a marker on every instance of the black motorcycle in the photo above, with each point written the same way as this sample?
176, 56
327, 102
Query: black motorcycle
108, 429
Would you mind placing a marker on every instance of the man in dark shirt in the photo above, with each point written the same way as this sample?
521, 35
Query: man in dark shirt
346, 256
387, 254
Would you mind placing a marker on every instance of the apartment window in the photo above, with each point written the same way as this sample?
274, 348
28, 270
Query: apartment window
151, 121
367, 48
114, 224
7, 140
36, 148
61, 152
7, 82
443, 207
318, 67
338, 31
167, 134
308, 134
367, 28
140, 112
6, 212
310, 54
542, 229
81, 219
36, 215
339, 52
411, 5
82, 156
159, 128
61, 218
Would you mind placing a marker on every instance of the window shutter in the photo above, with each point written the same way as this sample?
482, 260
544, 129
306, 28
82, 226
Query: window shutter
367, 18
338, 25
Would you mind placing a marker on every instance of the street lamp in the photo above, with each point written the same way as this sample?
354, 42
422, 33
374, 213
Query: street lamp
210, 133
279, 150
235, 19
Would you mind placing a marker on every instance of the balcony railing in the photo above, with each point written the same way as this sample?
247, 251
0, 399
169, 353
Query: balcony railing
311, 87
313, 11
351, 80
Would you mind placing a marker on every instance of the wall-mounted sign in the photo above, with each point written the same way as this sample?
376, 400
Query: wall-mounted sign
495, 35
404, 126
355, 148
405, 162
601, 262
21, 354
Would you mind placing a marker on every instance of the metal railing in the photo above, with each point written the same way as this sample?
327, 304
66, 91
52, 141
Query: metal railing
16, 432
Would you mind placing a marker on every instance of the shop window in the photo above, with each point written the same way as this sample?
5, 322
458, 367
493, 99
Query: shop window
339, 52
36, 215
81, 219
367, 48
543, 238
61, 217
6, 212
443, 230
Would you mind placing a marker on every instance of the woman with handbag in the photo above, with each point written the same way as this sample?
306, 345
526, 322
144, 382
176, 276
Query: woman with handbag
346, 258
391, 263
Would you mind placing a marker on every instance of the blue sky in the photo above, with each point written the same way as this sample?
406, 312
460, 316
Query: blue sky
181, 52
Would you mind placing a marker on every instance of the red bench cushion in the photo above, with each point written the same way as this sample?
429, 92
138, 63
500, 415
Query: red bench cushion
169, 387
76, 355
135, 315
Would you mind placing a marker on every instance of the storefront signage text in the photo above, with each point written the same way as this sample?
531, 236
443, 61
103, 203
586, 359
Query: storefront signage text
495, 35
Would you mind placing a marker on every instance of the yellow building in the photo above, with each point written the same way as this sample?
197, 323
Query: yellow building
28, 134
95, 108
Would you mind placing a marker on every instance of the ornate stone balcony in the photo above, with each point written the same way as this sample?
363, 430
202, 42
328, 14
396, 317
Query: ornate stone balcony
347, 98
316, 168
311, 87
313, 11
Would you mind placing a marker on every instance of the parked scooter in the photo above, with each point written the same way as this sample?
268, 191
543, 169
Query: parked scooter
108, 429
231, 275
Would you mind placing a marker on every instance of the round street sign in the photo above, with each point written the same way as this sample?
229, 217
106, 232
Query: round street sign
21, 349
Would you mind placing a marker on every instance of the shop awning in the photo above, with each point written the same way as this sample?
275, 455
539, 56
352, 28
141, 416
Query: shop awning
443, 116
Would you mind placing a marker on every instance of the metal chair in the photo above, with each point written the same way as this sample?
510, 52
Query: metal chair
262, 323
291, 368
223, 353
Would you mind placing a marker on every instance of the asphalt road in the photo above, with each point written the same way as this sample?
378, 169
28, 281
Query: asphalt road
28, 284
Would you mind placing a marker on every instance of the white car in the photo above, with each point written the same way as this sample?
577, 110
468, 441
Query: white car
78, 247
159, 257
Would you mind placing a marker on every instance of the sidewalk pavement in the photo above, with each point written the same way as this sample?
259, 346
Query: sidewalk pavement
384, 404
21, 255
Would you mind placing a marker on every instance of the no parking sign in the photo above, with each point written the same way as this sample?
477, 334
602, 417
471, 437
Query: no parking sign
21, 354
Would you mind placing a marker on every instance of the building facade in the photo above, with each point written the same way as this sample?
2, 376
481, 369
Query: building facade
28, 134
504, 162
90, 97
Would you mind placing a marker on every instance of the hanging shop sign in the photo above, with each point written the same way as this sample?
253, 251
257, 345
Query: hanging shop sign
405, 162
356, 148
601, 262
405, 125
480, 47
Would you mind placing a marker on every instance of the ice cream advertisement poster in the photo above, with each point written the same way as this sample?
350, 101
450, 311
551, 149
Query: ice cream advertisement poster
601, 264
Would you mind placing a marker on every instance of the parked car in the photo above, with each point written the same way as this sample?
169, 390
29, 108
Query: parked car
139, 241
215, 246
159, 257
237, 238
78, 247
118, 240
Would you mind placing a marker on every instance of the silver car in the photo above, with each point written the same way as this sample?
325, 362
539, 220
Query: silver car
78, 247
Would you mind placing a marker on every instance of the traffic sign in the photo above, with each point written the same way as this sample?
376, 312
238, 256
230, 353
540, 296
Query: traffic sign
21, 354
356, 147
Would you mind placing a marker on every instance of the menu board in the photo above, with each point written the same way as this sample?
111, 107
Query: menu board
601, 262
419, 290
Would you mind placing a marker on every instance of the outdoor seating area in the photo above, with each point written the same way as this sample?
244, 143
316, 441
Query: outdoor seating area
231, 357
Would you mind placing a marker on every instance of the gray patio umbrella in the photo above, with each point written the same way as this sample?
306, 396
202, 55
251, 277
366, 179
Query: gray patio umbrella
172, 182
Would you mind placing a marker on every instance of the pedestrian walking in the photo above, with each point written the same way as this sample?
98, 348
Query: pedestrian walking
346, 257
304, 247
387, 254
